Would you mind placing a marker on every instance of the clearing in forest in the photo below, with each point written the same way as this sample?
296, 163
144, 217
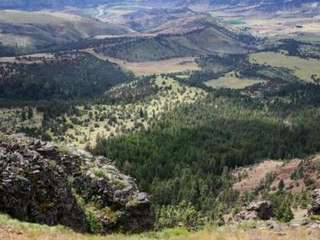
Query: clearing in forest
232, 80
305, 69
172, 65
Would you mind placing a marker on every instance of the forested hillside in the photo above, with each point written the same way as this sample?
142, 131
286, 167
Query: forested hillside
187, 156
64, 77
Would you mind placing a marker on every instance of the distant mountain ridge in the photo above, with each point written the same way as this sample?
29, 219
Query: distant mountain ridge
266, 3
55, 4
29, 31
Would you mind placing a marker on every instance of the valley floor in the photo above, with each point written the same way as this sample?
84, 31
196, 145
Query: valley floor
14, 230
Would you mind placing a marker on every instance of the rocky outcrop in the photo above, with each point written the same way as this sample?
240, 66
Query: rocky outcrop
261, 210
41, 183
315, 204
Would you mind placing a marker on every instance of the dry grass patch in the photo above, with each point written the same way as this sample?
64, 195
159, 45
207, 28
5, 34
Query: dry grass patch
229, 233
302, 68
230, 80
295, 174
157, 67
281, 26
173, 65
254, 175
14, 230
29, 59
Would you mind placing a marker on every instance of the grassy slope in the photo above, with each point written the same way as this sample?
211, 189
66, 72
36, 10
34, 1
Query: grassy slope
13, 229
107, 120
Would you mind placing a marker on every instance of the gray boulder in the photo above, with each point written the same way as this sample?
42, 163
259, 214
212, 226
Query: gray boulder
315, 204
261, 210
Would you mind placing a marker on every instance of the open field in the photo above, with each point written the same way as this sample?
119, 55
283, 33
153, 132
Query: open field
172, 65
230, 80
302, 68
157, 67
282, 26
278, 24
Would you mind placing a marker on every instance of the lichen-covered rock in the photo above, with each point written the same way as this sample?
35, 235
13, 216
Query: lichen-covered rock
34, 189
41, 183
246, 215
315, 204
261, 210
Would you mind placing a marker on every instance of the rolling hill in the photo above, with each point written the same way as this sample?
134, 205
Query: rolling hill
27, 31
200, 36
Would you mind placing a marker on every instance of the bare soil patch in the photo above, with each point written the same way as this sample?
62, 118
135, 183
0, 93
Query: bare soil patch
255, 175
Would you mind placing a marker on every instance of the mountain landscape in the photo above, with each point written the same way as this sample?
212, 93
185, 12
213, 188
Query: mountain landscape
147, 119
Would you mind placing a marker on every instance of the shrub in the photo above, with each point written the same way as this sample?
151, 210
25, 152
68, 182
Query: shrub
284, 213
181, 215
94, 223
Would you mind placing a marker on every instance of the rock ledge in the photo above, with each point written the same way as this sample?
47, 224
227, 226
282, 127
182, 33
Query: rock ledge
41, 183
